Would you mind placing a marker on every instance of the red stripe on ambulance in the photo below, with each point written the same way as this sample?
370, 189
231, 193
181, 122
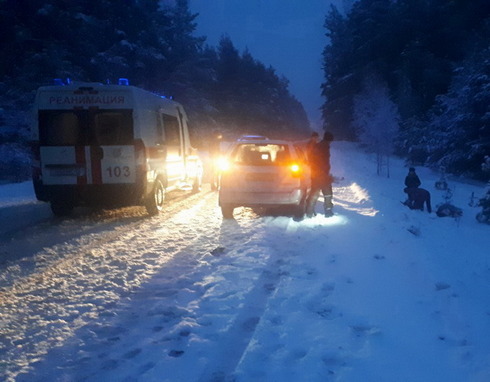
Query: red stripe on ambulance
96, 154
80, 161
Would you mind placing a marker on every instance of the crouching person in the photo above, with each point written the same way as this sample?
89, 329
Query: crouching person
417, 197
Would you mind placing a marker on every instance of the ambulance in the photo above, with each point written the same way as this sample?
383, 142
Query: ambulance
110, 146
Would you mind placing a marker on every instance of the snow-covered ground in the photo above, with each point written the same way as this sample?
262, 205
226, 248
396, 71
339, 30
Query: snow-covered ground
376, 293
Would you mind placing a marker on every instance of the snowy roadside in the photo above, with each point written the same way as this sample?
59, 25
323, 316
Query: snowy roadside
19, 207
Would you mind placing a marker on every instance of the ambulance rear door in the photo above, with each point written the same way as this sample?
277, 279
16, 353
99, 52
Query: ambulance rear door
86, 135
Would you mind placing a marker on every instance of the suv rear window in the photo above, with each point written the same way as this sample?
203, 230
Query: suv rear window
260, 154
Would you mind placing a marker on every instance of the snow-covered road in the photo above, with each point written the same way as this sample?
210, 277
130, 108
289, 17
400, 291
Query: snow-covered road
104, 267
376, 293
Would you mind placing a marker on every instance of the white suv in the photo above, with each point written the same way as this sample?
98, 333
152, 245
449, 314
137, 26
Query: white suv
264, 173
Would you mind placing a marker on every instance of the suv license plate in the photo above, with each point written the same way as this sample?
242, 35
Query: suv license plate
261, 177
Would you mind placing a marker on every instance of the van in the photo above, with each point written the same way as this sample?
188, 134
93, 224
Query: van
110, 146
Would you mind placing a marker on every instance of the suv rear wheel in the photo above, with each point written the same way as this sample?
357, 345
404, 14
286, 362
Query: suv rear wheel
227, 211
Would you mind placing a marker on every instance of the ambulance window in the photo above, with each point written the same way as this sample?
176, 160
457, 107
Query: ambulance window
113, 128
160, 137
172, 130
59, 128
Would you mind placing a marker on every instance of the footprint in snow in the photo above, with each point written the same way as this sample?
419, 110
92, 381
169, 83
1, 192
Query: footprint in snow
132, 353
250, 324
147, 366
218, 251
364, 330
175, 353
327, 312
442, 285
324, 310
333, 362
269, 287
110, 364
327, 289
414, 230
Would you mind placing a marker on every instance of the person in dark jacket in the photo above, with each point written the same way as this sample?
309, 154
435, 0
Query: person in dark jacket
312, 142
321, 180
214, 153
417, 197
412, 180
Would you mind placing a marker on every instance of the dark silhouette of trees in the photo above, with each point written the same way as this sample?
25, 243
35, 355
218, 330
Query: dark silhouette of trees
153, 44
430, 53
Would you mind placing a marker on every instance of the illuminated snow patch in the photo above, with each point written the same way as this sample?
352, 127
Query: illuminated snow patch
354, 198
320, 219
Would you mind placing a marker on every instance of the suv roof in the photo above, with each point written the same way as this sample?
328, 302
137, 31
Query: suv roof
252, 138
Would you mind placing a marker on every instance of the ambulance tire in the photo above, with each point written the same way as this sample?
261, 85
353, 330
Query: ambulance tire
197, 184
61, 208
154, 203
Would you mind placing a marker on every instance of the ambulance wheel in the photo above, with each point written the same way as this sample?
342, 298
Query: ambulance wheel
155, 201
227, 211
61, 208
197, 183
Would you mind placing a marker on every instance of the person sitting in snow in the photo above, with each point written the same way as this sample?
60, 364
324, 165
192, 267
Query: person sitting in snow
417, 197
412, 180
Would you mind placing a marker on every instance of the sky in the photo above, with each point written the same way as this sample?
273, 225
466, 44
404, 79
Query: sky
376, 293
288, 35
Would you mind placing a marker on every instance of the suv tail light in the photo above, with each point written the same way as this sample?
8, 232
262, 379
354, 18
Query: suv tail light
295, 169
222, 164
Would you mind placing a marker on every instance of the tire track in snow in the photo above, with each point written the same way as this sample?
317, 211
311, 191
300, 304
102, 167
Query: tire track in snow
85, 277
241, 331
209, 299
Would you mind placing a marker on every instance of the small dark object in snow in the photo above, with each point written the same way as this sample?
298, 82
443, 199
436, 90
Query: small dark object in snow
379, 257
218, 251
414, 230
132, 353
441, 185
448, 210
270, 287
442, 286
175, 353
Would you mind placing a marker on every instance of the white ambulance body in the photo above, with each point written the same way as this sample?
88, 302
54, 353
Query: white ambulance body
110, 146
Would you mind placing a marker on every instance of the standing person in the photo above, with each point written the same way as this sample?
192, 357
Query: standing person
311, 143
321, 180
214, 153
